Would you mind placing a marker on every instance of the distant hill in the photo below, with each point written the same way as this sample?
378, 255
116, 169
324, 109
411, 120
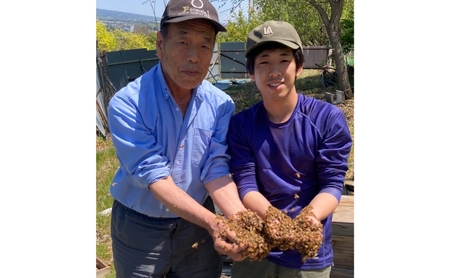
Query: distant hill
121, 16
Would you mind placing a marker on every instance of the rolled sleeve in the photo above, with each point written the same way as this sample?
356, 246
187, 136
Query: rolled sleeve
136, 147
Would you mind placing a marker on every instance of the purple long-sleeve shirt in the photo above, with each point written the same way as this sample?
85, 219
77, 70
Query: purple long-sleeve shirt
290, 163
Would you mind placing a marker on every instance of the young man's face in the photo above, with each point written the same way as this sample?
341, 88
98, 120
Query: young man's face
275, 72
186, 53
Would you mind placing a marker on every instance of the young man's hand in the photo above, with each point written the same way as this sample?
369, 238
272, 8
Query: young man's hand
279, 229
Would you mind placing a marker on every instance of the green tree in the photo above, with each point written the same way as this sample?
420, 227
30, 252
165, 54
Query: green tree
238, 27
105, 39
300, 14
331, 19
121, 40
128, 40
348, 28
151, 40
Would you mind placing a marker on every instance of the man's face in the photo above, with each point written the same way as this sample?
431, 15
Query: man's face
275, 73
185, 53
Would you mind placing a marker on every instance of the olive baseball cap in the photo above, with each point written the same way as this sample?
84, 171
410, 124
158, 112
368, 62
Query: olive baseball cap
182, 10
273, 31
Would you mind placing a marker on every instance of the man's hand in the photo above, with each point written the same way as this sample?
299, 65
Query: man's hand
310, 230
279, 229
226, 241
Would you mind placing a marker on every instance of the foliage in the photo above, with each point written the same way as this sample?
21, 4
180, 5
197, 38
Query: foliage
117, 39
105, 39
238, 27
127, 40
300, 14
347, 34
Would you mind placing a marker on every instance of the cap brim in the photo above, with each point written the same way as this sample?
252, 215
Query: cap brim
283, 42
216, 25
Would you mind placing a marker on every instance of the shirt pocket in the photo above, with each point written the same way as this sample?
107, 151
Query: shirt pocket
200, 149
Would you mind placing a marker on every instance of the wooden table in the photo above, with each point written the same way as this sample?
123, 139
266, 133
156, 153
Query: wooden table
343, 238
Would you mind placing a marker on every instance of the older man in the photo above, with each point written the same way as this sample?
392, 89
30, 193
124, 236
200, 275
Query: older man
169, 129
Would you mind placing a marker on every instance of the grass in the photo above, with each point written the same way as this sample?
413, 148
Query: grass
107, 165
244, 96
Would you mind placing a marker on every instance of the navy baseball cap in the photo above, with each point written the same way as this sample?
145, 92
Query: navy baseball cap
182, 10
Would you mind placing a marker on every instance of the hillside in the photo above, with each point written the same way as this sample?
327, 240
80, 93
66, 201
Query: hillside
107, 15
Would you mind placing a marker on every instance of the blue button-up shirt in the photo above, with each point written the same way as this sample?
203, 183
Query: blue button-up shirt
153, 140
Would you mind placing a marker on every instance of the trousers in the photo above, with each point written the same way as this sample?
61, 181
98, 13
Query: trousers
145, 246
267, 269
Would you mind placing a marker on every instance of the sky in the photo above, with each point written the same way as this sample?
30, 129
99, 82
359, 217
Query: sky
137, 7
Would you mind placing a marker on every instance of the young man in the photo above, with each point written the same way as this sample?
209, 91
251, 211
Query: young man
169, 129
287, 151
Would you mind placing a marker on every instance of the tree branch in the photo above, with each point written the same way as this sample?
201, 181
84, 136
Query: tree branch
321, 12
